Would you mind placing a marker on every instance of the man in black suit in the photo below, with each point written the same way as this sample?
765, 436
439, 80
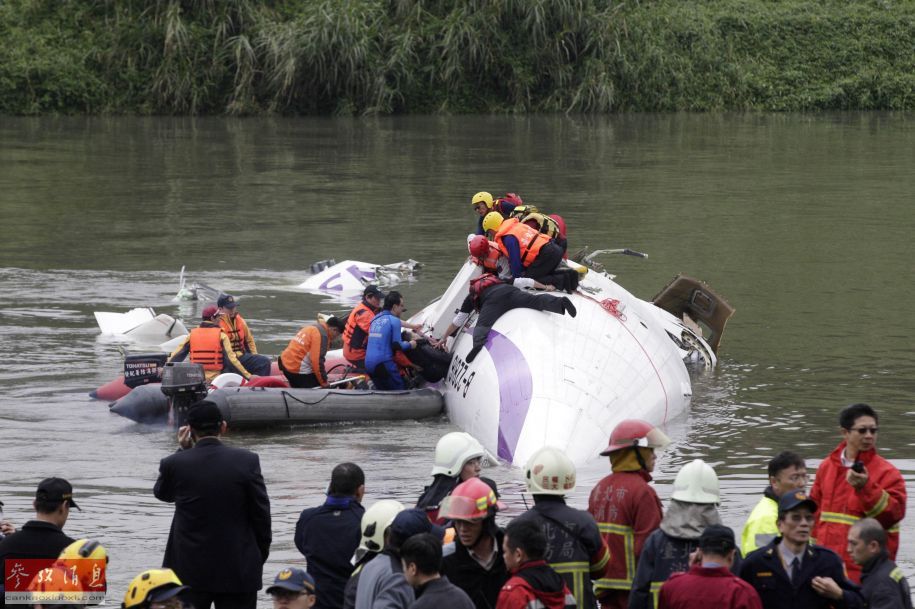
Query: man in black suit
220, 535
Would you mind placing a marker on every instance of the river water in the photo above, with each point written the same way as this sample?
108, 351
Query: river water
802, 221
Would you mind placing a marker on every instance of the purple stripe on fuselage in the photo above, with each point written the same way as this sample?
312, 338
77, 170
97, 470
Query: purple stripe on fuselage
515, 390
352, 270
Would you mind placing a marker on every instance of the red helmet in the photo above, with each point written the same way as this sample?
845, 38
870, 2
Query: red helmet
478, 246
470, 500
635, 432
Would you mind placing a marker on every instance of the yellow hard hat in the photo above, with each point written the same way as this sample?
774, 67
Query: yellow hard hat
492, 221
85, 548
154, 586
482, 197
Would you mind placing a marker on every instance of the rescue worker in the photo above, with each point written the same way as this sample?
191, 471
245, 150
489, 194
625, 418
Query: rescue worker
159, 586
787, 472
487, 255
483, 203
626, 508
302, 361
709, 581
883, 585
854, 482
693, 507
549, 225
90, 576
385, 344
575, 548
533, 582
473, 561
356, 332
493, 298
783, 570
458, 458
210, 347
376, 522
529, 252
421, 557
236, 328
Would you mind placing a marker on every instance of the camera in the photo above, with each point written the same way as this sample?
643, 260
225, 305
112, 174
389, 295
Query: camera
858, 467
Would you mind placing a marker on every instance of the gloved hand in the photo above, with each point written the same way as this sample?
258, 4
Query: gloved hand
472, 354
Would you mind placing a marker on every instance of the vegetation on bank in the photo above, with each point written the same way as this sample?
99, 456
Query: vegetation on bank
426, 56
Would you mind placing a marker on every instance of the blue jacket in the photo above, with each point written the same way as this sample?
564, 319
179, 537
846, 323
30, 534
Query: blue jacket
764, 571
328, 536
384, 333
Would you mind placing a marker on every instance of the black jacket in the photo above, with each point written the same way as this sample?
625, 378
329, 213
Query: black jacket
441, 594
220, 534
328, 536
763, 570
36, 539
467, 574
884, 586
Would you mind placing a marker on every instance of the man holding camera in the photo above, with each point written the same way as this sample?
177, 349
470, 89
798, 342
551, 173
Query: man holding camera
854, 482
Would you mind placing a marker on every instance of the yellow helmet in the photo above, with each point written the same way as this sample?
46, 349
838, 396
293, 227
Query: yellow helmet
482, 197
85, 548
492, 221
154, 586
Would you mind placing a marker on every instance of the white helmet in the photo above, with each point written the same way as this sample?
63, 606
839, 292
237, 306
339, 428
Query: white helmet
696, 482
549, 472
453, 451
375, 521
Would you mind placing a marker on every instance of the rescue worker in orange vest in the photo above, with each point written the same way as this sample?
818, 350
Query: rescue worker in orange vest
529, 252
302, 361
551, 225
626, 508
356, 333
492, 297
237, 330
855, 482
486, 254
209, 346
483, 203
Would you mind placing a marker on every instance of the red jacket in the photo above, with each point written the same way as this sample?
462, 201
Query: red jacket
627, 510
535, 581
840, 505
706, 588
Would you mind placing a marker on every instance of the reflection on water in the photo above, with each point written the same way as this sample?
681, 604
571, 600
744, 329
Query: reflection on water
802, 222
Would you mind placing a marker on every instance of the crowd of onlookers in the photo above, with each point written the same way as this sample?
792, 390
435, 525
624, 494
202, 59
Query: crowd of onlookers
833, 546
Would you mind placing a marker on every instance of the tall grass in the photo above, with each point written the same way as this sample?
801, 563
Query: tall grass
393, 56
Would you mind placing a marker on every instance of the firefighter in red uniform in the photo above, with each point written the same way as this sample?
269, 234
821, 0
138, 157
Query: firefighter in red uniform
625, 507
209, 346
356, 333
854, 482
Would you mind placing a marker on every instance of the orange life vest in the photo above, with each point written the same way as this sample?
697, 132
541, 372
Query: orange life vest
309, 344
490, 262
237, 331
530, 240
479, 285
206, 348
360, 317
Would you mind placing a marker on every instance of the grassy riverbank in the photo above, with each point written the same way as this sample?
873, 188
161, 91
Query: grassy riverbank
414, 56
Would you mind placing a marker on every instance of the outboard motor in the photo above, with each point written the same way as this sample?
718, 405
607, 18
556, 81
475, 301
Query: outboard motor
143, 369
183, 383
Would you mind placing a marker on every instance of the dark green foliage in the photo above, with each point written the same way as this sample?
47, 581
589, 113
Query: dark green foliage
426, 56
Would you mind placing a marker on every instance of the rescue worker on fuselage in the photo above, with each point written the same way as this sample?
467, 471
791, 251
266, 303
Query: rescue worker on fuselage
483, 203
209, 346
529, 252
492, 297
302, 361
575, 548
626, 508
458, 458
550, 225
356, 332
485, 254
236, 328
473, 561
385, 343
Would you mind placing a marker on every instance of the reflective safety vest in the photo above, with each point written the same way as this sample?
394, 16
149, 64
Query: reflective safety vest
530, 240
479, 285
206, 347
545, 224
356, 333
840, 505
761, 527
237, 331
